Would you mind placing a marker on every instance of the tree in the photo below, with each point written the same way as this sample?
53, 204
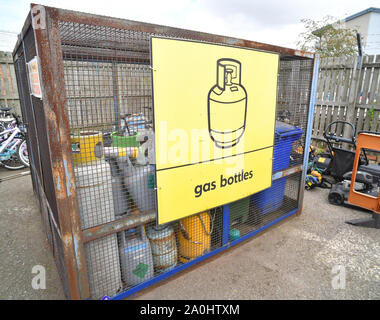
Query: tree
328, 37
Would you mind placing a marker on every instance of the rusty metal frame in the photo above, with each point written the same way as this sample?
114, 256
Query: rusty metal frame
50, 53
124, 24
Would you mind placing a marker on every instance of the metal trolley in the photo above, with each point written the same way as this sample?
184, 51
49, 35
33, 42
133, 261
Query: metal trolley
86, 136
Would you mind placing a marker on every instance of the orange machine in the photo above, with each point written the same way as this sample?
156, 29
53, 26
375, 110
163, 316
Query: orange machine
372, 142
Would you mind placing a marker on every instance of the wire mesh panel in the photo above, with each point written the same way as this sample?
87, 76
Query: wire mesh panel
260, 209
41, 172
107, 97
110, 110
293, 97
293, 94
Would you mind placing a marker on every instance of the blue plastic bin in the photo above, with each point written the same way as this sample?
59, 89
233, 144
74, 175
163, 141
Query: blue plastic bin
271, 199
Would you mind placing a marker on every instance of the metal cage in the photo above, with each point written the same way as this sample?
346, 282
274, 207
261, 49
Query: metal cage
83, 137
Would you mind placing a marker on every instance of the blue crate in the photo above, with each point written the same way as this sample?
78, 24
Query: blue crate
271, 199
285, 135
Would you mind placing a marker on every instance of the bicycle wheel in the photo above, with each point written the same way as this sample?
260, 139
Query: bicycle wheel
13, 163
22, 153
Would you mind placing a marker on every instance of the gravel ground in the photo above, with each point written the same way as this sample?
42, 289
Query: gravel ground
294, 260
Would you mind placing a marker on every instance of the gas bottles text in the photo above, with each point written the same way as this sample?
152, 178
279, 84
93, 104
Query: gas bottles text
223, 182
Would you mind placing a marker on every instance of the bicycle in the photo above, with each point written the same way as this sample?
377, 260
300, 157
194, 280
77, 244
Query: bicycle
6, 118
13, 148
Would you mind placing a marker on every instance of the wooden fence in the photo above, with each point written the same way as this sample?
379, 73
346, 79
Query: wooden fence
343, 93
98, 91
347, 93
8, 85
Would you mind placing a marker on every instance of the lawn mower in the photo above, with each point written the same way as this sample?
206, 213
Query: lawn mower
335, 162
342, 159
366, 181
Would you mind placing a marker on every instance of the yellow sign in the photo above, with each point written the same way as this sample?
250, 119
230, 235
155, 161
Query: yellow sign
214, 118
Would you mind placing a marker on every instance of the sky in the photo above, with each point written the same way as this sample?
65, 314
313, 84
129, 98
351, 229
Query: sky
269, 21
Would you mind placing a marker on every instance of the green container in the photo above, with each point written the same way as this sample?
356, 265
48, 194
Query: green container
124, 141
239, 211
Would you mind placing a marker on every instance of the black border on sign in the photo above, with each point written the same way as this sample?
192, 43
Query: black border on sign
154, 122
233, 155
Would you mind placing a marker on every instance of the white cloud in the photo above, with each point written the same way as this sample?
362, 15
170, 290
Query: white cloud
7, 41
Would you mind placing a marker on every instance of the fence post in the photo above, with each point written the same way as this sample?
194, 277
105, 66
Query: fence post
352, 99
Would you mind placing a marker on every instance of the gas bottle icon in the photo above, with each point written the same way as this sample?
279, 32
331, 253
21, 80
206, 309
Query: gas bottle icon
227, 105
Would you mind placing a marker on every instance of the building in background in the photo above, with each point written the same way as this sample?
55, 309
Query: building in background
367, 22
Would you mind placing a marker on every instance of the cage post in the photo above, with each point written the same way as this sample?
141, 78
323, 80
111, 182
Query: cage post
48, 46
226, 224
309, 127
115, 81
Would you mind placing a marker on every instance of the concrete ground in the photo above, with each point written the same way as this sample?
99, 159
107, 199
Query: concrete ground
23, 244
295, 260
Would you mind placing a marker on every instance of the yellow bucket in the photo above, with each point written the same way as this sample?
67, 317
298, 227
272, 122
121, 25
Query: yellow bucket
194, 236
85, 145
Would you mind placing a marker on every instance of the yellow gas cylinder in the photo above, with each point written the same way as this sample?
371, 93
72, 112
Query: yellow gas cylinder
121, 151
84, 146
194, 236
128, 151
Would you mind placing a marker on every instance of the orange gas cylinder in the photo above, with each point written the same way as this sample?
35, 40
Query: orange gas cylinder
194, 236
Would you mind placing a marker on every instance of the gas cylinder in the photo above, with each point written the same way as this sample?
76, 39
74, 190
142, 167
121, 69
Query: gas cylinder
227, 105
122, 203
164, 248
194, 236
138, 181
135, 257
94, 191
84, 145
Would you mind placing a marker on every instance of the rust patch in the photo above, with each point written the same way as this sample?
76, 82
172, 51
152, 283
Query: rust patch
163, 240
58, 175
304, 54
67, 239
